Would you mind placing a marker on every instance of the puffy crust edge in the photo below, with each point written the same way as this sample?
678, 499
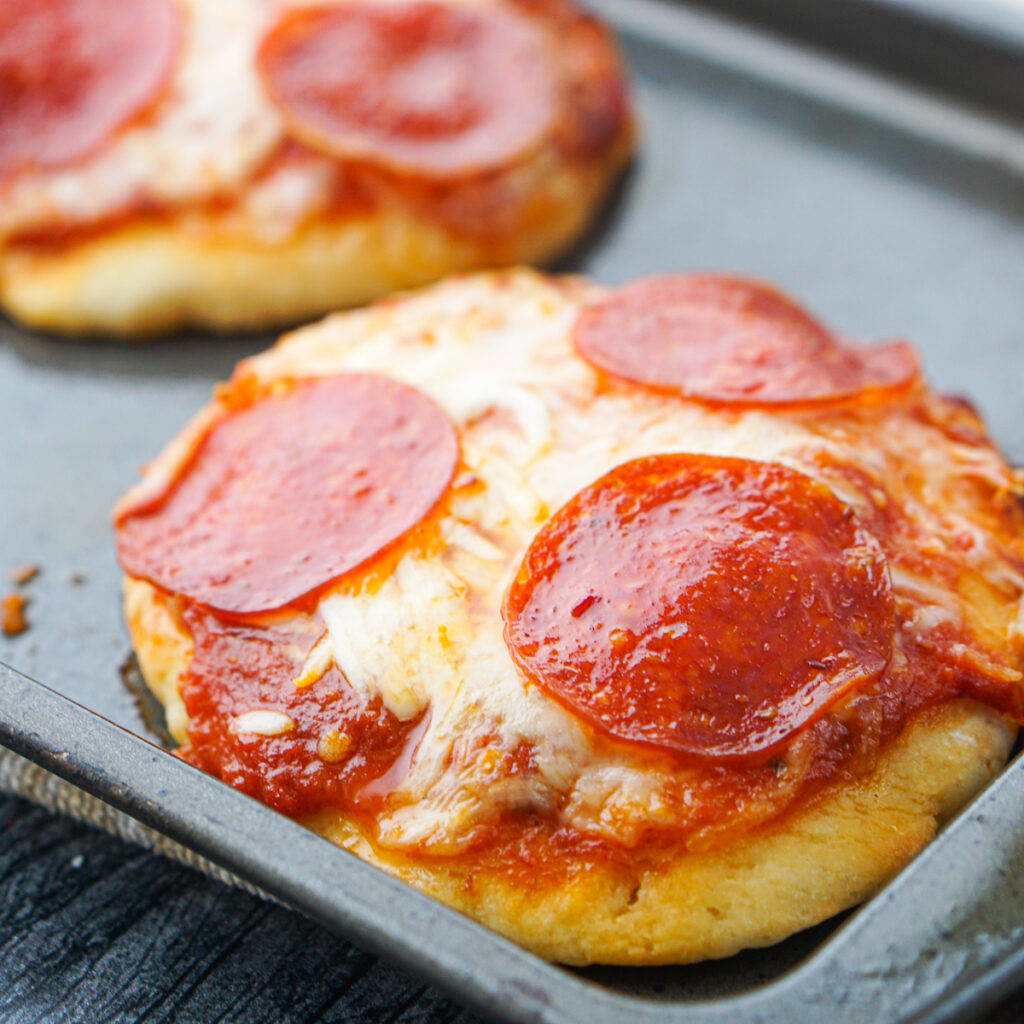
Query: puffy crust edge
150, 275
829, 855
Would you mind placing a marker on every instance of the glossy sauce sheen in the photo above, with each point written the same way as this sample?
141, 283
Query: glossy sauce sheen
74, 72
292, 491
732, 342
710, 607
336, 745
426, 87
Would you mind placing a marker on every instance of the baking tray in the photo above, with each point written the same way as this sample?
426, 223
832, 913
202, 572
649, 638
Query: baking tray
967, 49
889, 209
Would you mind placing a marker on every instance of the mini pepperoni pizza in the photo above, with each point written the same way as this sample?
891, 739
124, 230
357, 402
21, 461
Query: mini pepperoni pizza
237, 163
642, 624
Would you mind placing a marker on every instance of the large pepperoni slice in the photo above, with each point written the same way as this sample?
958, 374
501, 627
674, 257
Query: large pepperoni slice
707, 606
293, 491
73, 72
430, 88
728, 341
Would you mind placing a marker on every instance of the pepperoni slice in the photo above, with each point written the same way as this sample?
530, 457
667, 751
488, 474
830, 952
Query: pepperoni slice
710, 607
727, 341
429, 88
73, 72
293, 491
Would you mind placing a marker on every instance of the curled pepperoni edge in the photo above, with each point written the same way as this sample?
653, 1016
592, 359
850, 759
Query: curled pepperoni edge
896, 369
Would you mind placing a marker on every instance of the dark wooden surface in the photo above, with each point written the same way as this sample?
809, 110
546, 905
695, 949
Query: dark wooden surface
96, 931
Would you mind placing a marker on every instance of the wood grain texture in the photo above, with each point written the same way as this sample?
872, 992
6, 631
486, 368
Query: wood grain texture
93, 929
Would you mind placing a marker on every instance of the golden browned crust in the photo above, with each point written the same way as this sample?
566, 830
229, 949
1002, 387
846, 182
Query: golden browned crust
805, 867
162, 648
809, 865
204, 269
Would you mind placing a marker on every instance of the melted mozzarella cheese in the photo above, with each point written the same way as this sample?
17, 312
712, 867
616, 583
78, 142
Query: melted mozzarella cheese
495, 353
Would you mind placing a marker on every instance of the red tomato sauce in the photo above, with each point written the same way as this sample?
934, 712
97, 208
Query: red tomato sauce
239, 668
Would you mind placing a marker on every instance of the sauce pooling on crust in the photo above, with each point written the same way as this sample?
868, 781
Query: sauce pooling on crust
291, 491
709, 607
74, 72
727, 341
296, 748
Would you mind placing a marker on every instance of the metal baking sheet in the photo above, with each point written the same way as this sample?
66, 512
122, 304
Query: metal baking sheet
890, 210
961, 48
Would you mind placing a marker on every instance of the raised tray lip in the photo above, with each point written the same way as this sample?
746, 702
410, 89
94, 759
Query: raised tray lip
510, 984
849, 980
710, 31
966, 49
1001, 24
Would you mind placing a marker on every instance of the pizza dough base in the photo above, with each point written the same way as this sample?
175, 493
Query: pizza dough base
151, 277
203, 269
828, 855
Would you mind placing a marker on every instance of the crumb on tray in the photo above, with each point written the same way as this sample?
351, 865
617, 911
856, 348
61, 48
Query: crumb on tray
12, 614
22, 574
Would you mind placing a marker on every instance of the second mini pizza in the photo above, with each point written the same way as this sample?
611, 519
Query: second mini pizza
642, 624
241, 163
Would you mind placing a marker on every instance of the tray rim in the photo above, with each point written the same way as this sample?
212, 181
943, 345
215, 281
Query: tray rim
820, 75
844, 981
983, 19
966, 48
